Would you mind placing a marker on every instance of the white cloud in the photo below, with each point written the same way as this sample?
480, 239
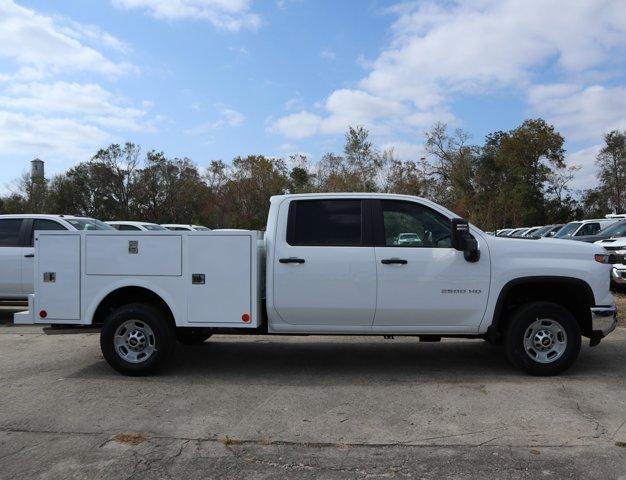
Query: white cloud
90, 102
41, 46
582, 113
328, 55
405, 150
585, 159
228, 117
48, 138
297, 125
344, 107
232, 117
95, 34
230, 15
442, 49
42, 114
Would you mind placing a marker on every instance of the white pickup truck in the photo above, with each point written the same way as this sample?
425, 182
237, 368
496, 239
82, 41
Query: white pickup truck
328, 264
17, 252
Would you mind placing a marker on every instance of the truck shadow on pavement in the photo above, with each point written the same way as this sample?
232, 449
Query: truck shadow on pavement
338, 362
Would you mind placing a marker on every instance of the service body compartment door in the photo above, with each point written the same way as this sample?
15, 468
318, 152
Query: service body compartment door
57, 281
220, 283
128, 254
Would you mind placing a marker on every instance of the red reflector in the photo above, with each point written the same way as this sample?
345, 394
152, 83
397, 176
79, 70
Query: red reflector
43, 314
245, 317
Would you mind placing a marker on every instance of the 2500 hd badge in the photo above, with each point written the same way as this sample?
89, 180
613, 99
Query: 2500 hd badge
461, 290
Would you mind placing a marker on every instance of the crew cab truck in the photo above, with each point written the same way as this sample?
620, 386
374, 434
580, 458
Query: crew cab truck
328, 264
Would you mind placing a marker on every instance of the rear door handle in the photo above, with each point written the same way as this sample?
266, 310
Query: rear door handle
291, 260
394, 261
29, 255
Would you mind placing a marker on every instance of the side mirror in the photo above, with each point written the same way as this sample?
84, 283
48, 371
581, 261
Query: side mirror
463, 241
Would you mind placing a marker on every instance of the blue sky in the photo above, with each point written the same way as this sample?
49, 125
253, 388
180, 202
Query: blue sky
213, 79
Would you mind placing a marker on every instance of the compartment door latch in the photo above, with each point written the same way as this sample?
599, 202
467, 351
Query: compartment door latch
133, 246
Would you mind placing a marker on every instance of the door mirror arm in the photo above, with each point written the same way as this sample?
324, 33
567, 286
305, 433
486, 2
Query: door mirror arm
463, 241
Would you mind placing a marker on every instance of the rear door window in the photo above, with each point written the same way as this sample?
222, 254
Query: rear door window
327, 223
10, 232
44, 224
589, 229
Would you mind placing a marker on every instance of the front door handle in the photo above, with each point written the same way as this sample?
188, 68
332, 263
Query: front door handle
394, 261
291, 260
29, 255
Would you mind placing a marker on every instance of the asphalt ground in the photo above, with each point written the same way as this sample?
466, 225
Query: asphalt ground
308, 407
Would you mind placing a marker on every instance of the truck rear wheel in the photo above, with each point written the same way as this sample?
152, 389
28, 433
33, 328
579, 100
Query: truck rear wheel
191, 336
137, 339
542, 338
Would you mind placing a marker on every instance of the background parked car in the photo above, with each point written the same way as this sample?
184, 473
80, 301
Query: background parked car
583, 227
518, 232
547, 231
618, 270
17, 252
503, 232
617, 230
130, 226
530, 231
408, 239
180, 226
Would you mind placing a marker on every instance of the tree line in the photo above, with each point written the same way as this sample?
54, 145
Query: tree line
517, 177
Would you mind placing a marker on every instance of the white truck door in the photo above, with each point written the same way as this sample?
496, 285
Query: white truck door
57, 287
422, 281
324, 266
10, 258
28, 252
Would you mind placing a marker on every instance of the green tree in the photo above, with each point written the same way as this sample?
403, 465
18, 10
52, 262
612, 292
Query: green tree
611, 161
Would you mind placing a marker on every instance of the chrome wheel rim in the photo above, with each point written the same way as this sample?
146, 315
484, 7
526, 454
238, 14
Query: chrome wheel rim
134, 341
545, 340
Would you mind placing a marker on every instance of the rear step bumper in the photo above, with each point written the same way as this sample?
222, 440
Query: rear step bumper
27, 317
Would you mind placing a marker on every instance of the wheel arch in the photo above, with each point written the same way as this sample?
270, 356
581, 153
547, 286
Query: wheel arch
572, 293
129, 293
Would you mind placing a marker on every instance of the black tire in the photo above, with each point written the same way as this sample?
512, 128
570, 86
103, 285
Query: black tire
162, 338
555, 317
191, 336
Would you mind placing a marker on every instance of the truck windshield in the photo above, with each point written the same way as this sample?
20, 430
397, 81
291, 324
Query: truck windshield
615, 230
568, 230
151, 227
88, 224
540, 232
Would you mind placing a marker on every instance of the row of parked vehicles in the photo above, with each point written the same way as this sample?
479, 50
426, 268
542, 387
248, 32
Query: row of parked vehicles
608, 232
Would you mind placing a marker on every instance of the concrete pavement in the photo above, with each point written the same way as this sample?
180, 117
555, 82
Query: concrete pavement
308, 407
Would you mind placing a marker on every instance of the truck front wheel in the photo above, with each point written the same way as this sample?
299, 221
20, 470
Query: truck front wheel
542, 338
137, 339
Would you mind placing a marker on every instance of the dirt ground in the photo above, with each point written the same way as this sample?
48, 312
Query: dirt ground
620, 303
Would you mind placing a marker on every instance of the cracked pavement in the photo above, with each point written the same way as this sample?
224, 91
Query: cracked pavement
308, 407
